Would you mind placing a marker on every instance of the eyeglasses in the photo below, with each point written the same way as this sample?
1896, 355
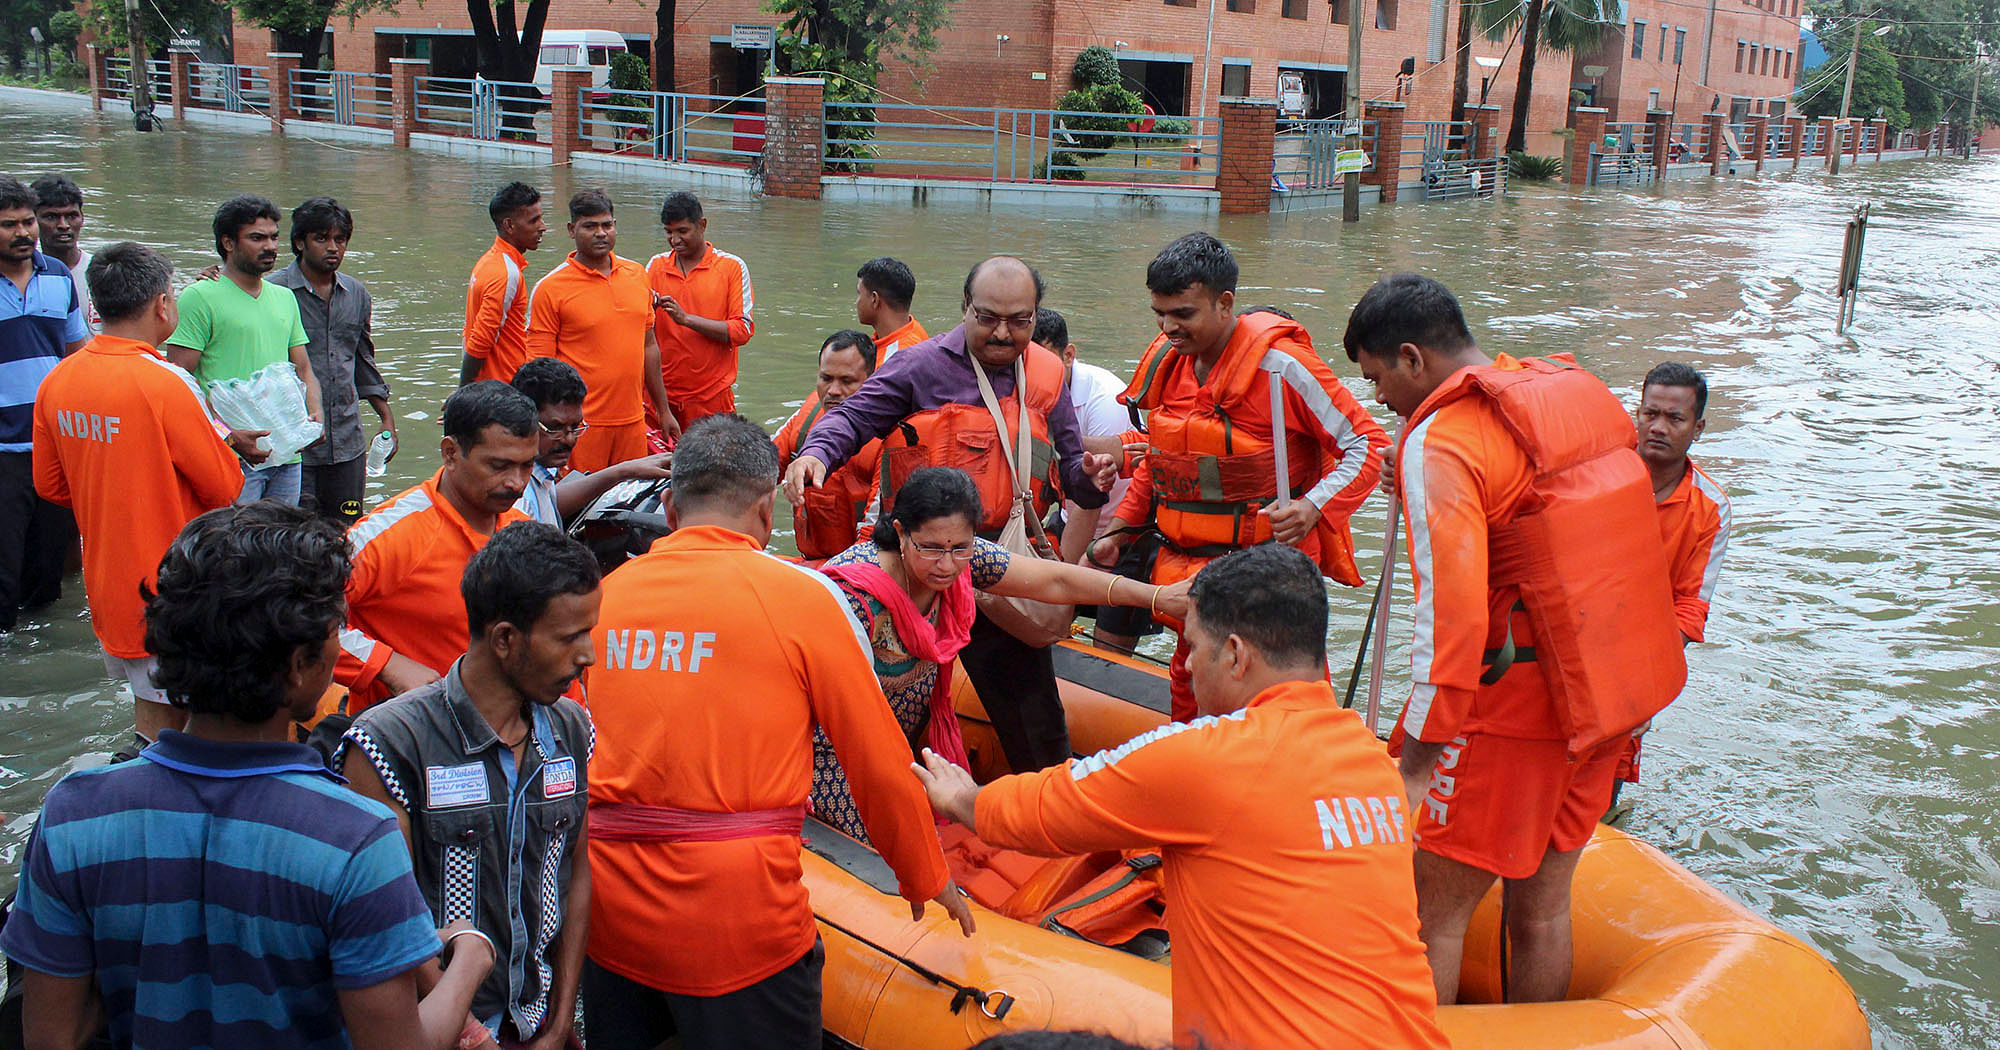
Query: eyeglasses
936, 553
570, 431
1022, 323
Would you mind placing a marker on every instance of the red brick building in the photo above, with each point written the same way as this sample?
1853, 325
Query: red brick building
1181, 55
1739, 56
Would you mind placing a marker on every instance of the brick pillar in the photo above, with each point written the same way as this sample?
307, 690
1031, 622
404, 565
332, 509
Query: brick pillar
794, 128
1760, 135
1249, 138
94, 57
1588, 124
1662, 123
403, 74
1826, 136
1797, 129
1388, 118
283, 65
566, 111
1718, 146
181, 77
1881, 135
1486, 140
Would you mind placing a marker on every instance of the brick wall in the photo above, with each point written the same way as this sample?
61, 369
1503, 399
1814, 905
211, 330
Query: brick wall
1627, 89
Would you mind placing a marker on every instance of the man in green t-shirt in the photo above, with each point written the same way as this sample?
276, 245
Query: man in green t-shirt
234, 327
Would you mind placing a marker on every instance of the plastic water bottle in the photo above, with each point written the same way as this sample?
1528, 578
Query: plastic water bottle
379, 451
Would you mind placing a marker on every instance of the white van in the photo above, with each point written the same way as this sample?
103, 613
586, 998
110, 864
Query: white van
578, 47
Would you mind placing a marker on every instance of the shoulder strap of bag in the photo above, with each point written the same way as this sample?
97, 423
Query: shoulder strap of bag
1017, 466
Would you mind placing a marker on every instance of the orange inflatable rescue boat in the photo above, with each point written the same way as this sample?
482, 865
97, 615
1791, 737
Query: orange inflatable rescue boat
1663, 960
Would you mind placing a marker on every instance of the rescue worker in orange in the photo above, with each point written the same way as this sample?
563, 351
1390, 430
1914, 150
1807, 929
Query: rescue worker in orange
595, 312
702, 301
1208, 480
125, 440
930, 406
1544, 624
829, 521
495, 336
405, 618
715, 661
1279, 818
884, 288
1693, 508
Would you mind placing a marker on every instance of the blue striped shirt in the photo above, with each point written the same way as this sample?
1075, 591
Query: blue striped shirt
220, 894
35, 326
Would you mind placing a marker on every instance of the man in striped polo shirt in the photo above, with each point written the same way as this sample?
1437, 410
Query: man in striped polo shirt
41, 322
224, 889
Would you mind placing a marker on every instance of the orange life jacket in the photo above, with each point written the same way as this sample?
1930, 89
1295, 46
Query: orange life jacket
964, 436
829, 522
1215, 468
1582, 560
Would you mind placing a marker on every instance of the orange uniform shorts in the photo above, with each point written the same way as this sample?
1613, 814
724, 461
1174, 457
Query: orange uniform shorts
690, 409
601, 446
1499, 804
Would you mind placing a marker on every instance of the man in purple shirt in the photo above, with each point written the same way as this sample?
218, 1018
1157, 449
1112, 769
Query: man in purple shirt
1016, 680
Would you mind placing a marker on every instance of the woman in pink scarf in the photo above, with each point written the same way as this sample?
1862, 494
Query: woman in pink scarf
911, 588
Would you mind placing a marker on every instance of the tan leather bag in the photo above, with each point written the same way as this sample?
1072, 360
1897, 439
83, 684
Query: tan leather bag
1040, 624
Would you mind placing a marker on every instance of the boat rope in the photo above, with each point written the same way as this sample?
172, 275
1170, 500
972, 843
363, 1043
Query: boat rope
993, 1004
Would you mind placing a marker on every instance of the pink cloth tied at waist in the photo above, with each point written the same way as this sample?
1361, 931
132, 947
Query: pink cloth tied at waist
639, 822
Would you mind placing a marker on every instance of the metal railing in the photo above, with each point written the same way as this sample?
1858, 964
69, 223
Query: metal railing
1427, 144
343, 97
1870, 134
118, 77
1781, 141
1461, 179
1742, 141
664, 125
1634, 137
1814, 140
1304, 152
482, 109
1620, 168
1687, 144
229, 87
1018, 145
160, 77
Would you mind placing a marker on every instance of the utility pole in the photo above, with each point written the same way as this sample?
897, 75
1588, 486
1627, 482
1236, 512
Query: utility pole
1207, 53
141, 77
1972, 122
1350, 190
1846, 96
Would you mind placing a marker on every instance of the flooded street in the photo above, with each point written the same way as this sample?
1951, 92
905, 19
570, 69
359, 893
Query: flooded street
1833, 762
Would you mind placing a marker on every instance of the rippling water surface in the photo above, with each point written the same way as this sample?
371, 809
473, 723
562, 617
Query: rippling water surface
1833, 762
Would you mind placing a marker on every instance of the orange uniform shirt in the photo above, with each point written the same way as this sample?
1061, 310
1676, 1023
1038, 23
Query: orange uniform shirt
700, 373
1290, 897
902, 338
714, 662
125, 440
496, 311
1461, 474
403, 595
598, 324
1694, 523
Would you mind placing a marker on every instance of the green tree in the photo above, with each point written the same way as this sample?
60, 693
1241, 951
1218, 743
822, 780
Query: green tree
846, 41
1877, 86
1563, 26
161, 20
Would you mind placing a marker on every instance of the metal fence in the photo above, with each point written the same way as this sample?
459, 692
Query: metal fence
343, 97
1687, 143
1813, 140
118, 77
229, 87
1781, 141
1304, 152
1620, 168
1870, 134
1463, 179
482, 109
1429, 143
1634, 137
1019, 145
1742, 141
663, 125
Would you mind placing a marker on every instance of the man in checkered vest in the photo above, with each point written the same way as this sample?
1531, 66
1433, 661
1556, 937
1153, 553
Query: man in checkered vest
485, 769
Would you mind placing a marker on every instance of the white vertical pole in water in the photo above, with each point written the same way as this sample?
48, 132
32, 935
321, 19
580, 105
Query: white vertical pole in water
1378, 662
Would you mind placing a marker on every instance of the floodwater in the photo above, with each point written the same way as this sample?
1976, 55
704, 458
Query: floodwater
1832, 764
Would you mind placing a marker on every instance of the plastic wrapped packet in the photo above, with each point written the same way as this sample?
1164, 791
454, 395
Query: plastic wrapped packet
271, 399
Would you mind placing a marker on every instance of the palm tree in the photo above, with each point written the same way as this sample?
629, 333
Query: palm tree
1567, 26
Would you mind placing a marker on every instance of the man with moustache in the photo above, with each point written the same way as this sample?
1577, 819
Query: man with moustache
555, 493
41, 322
59, 220
230, 329
338, 313
405, 623
486, 771
595, 311
828, 523
928, 403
